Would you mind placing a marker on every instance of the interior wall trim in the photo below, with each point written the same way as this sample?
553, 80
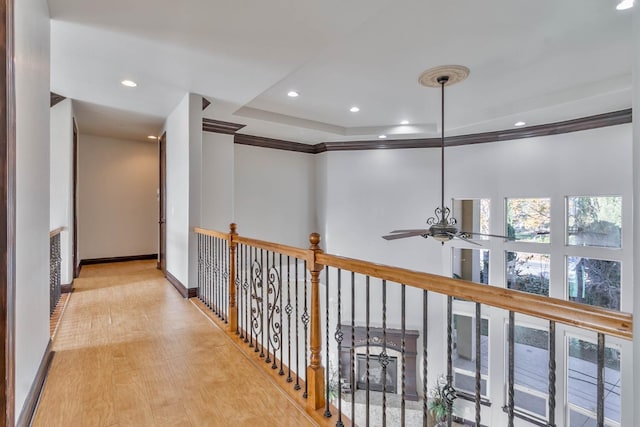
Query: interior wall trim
55, 98
118, 259
7, 214
278, 144
66, 289
182, 289
575, 125
31, 402
218, 126
205, 103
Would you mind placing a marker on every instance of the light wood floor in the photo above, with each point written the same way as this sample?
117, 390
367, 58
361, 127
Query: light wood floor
130, 351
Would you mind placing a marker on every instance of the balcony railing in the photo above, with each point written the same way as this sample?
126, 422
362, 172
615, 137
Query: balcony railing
370, 324
55, 261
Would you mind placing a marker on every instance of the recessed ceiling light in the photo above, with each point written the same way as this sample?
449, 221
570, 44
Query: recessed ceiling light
129, 83
152, 137
382, 136
624, 5
354, 109
293, 94
404, 122
519, 124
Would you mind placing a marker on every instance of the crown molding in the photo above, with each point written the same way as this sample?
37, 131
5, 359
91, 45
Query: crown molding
584, 123
218, 126
278, 144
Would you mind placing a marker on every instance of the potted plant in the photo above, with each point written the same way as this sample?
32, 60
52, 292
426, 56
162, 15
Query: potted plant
440, 398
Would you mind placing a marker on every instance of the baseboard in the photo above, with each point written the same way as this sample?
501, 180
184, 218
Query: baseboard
31, 402
184, 291
118, 259
65, 289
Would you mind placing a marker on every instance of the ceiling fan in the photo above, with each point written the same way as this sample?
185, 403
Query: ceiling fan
442, 226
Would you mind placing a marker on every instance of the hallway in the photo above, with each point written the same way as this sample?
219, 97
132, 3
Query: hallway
130, 351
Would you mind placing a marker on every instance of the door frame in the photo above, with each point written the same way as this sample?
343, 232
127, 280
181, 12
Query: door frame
74, 197
162, 203
7, 214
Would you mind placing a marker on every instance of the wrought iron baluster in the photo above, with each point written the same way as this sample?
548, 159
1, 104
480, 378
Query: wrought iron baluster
240, 290
352, 352
367, 327
511, 364
552, 373
403, 350
601, 379
262, 304
225, 282
297, 279
200, 266
247, 298
383, 358
289, 310
219, 268
305, 321
478, 363
425, 329
339, 336
269, 308
281, 326
449, 386
327, 411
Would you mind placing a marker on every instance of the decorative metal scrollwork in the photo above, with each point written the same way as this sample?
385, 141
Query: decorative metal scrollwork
339, 335
273, 291
442, 216
383, 359
256, 308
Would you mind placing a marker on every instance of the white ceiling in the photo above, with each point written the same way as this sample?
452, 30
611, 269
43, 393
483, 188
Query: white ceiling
538, 61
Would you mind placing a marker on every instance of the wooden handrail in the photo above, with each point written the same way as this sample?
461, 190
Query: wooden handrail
601, 320
276, 247
56, 231
584, 316
212, 233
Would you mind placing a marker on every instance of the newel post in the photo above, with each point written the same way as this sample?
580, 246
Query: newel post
315, 370
233, 310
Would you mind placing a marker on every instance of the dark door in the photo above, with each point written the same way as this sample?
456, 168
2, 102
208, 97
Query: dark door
162, 231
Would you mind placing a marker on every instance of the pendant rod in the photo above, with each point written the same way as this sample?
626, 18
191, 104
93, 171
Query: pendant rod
443, 81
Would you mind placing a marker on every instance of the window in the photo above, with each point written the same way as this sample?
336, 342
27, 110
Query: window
471, 265
531, 369
528, 272
473, 215
464, 356
582, 380
594, 282
529, 220
594, 221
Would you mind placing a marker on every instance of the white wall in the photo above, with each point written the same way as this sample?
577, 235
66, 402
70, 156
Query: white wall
217, 181
117, 197
184, 157
32, 192
61, 182
274, 194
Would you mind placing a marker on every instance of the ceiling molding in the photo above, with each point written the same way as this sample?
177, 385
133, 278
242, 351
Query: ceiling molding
205, 103
575, 125
278, 144
568, 126
218, 126
55, 98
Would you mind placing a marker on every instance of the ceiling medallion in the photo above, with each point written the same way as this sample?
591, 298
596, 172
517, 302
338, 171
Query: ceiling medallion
456, 74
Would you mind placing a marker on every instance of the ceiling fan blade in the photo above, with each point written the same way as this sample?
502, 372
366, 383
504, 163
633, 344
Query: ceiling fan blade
484, 234
404, 235
411, 230
462, 236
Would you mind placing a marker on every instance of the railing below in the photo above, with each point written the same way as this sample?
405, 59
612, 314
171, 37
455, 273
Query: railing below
55, 262
372, 324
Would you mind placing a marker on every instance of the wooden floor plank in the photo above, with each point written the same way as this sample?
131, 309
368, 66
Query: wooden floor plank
131, 351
